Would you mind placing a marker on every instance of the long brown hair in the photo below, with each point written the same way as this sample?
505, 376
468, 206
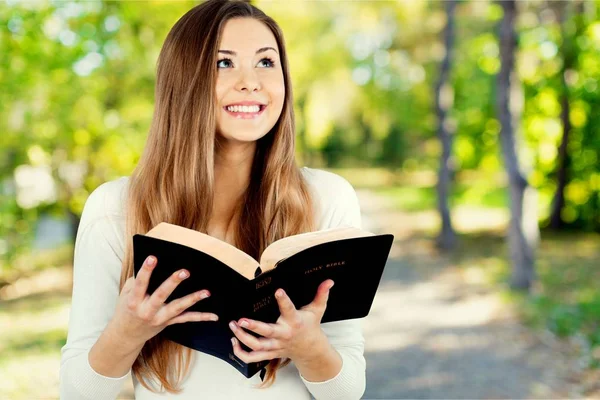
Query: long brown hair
173, 181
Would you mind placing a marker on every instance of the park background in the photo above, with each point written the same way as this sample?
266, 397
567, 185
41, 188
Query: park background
450, 118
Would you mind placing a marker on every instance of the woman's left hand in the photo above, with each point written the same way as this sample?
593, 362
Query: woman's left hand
296, 334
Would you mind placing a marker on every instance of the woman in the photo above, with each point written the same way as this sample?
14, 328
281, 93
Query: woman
219, 159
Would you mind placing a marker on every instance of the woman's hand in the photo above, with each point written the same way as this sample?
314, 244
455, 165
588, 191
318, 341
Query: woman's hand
140, 316
296, 335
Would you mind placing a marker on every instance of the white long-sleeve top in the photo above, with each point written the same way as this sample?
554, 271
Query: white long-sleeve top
99, 249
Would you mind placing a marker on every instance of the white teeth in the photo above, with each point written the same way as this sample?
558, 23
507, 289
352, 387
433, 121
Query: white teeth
244, 109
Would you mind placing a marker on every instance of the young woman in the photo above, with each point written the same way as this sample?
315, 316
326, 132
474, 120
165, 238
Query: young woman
219, 159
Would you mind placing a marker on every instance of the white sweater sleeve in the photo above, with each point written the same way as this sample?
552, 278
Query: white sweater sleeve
96, 273
345, 336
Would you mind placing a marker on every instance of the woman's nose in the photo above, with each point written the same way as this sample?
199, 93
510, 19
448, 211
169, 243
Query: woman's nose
248, 80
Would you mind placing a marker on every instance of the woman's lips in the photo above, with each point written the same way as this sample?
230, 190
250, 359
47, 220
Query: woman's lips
246, 115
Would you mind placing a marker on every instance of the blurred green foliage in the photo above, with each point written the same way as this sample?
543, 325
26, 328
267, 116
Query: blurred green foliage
78, 78
77, 98
77, 93
566, 301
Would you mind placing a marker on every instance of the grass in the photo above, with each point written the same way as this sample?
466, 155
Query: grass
30, 263
415, 198
565, 299
30, 349
35, 312
416, 191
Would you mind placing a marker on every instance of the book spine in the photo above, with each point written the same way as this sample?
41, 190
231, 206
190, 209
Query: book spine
263, 306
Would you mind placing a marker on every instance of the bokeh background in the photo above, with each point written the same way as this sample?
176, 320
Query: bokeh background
411, 101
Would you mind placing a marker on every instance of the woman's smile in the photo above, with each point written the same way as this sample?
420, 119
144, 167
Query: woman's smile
245, 110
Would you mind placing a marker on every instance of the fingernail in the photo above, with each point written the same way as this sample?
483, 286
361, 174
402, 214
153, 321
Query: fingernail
233, 341
232, 326
150, 261
244, 324
214, 318
279, 293
332, 283
183, 274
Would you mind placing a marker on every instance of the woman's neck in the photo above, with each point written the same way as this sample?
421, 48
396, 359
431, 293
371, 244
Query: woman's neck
233, 165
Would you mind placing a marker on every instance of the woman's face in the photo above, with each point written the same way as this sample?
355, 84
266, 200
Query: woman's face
250, 87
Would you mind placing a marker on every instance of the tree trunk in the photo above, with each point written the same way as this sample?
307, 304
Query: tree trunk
523, 231
563, 162
367, 141
443, 101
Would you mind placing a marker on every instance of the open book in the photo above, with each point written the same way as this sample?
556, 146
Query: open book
241, 286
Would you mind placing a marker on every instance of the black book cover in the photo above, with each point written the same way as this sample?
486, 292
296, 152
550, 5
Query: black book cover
355, 265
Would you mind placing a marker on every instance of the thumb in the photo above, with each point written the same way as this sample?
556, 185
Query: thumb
319, 304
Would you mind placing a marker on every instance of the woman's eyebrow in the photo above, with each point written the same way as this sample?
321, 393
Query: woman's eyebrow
261, 50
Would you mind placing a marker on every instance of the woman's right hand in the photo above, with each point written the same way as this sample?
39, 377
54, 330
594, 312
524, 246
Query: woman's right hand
139, 316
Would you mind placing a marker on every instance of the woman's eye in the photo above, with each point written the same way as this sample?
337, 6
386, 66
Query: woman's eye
269, 62
224, 63
264, 63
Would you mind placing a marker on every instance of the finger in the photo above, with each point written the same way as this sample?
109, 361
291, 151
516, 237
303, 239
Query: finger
190, 316
178, 306
160, 295
254, 356
143, 277
128, 285
286, 307
319, 303
274, 331
253, 342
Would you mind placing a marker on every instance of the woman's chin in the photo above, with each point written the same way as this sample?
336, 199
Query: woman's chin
242, 137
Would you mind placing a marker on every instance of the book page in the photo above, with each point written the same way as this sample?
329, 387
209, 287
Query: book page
229, 255
288, 246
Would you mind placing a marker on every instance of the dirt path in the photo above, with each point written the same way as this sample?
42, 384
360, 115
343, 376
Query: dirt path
437, 332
